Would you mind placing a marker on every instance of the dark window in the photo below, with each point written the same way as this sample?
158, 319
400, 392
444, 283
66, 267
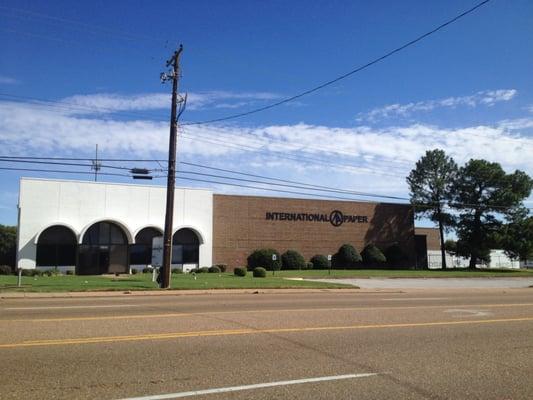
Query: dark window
56, 247
141, 251
185, 247
104, 233
104, 249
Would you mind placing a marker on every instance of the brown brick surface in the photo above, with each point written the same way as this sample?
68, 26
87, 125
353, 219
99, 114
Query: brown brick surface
240, 226
432, 237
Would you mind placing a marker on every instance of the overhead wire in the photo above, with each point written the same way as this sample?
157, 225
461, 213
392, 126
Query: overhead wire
343, 76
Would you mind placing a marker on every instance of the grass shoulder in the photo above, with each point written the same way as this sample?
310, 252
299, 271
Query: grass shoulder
73, 283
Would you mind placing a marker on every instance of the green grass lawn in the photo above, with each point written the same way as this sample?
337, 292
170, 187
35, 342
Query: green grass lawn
72, 283
377, 273
68, 283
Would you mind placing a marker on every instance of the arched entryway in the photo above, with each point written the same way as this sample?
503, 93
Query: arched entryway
56, 247
141, 251
185, 247
103, 250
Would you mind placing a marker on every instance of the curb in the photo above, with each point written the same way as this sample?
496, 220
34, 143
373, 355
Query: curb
178, 292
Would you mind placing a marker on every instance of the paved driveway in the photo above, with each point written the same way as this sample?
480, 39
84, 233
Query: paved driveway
437, 283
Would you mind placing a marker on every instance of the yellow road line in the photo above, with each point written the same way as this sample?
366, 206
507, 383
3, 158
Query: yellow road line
183, 314
176, 335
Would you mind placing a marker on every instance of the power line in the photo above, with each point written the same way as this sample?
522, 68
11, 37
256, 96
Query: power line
278, 154
302, 184
344, 76
295, 186
91, 28
61, 171
61, 163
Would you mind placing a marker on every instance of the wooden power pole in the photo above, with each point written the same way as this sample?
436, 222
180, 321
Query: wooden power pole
174, 116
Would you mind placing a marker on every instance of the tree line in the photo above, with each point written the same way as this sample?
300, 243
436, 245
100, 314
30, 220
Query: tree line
482, 203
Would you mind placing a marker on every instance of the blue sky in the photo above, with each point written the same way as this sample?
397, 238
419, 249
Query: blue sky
466, 89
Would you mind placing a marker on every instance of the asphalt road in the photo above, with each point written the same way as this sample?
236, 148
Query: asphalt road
435, 344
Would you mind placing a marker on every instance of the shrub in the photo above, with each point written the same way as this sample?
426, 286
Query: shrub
347, 257
203, 270
71, 272
239, 271
396, 257
263, 258
260, 272
47, 272
177, 271
215, 269
372, 256
147, 270
319, 261
194, 271
134, 271
29, 272
291, 259
223, 267
309, 265
5, 270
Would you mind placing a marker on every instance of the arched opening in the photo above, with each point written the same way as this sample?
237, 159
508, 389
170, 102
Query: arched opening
141, 251
103, 250
185, 247
56, 247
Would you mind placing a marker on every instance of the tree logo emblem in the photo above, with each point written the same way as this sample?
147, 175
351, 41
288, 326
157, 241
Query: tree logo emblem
336, 218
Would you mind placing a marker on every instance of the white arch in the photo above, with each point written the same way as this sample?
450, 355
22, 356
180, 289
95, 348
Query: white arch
192, 228
120, 223
158, 228
74, 231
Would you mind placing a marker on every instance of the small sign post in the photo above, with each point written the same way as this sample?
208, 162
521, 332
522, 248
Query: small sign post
329, 264
157, 256
274, 258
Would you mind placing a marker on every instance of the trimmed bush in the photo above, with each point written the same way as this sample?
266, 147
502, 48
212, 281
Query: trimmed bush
372, 256
177, 271
346, 258
215, 269
204, 270
319, 261
71, 272
291, 259
263, 258
260, 272
223, 267
133, 271
194, 271
239, 271
5, 270
309, 265
147, 270
48, 273
396, 257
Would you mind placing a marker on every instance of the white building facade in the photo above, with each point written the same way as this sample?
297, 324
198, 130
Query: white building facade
95, 227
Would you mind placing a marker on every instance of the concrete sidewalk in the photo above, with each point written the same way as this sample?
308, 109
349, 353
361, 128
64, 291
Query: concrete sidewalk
436, 283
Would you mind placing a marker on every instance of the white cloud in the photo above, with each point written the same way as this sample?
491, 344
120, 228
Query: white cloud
487, 98
358, 158
109, 103
6, 80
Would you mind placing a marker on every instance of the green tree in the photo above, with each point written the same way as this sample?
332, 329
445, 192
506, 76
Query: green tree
485, 196
8, 245
517, 235
430, 185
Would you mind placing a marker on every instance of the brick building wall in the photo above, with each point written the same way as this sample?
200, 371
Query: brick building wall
432, 237
241, 225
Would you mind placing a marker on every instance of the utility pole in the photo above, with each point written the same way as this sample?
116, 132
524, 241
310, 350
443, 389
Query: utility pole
174, 116
96, 165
